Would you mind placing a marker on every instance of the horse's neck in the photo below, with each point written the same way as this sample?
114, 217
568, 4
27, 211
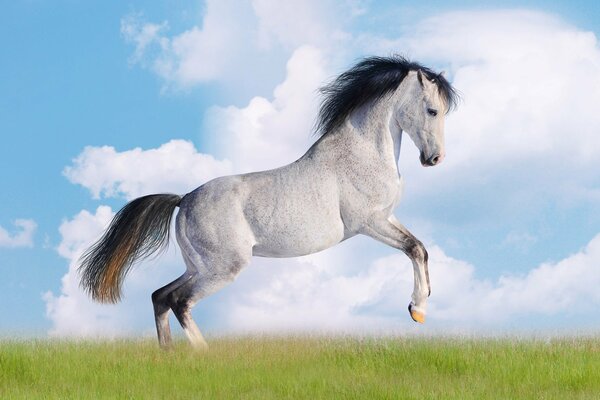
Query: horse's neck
369, 126
375, 122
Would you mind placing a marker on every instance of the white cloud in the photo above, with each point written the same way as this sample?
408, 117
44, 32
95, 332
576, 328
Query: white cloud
309, 295
267, 134
175, 166
23, 237
530, 95
529, 82
198, 55
567, 287
239, 44
310, 22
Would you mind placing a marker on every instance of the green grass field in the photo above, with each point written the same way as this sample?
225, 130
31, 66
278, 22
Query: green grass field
304, 368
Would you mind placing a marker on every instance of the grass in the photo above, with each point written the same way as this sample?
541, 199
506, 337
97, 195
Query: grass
303, 368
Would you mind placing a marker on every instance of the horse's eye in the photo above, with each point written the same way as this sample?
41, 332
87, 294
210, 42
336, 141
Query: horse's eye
432, 112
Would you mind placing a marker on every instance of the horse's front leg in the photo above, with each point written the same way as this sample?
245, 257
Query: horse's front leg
393, 233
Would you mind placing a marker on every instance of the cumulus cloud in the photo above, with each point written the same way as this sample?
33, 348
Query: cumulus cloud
198, 55
239, 44
530, 95
175, 166
567, 286
270, 133
311, 295
311, 22
529, 83
23, 237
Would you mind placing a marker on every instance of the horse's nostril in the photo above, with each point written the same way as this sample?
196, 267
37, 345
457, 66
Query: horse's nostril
431, 161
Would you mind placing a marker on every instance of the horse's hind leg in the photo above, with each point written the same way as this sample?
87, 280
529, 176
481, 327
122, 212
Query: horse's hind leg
183, 293
181, 301
179, 297
205, 281
162, 306
215, 246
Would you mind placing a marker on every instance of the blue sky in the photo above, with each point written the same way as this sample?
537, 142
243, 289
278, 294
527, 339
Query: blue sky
74, 76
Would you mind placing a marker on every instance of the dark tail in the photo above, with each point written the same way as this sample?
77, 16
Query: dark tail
138, 230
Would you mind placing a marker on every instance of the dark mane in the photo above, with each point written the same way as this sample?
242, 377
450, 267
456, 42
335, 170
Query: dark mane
369, 80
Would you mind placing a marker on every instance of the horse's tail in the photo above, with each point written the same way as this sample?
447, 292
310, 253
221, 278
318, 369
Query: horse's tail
138, 230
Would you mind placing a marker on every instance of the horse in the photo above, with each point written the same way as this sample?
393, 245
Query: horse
347, 183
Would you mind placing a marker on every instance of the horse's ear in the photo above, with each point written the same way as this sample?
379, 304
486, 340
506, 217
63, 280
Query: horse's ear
420, 78
443, 73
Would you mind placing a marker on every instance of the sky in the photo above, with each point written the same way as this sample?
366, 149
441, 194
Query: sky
102, 102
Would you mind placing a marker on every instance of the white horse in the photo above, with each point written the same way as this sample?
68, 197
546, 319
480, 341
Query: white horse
346, 184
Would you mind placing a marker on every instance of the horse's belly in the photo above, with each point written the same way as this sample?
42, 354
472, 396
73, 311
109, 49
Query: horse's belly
298, 239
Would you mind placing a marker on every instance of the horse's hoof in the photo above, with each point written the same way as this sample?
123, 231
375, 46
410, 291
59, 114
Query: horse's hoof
417, 316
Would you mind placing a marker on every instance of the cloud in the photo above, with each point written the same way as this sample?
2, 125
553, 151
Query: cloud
22, 238
239, 44
270, 133
294, 24
312, 296
566, 287
197, 55
175, 166
530, 96
529, 82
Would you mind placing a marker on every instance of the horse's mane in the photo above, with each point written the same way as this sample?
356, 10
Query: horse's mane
369, 80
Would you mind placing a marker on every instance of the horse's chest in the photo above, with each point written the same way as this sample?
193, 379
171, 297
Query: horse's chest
365, 194
374, 189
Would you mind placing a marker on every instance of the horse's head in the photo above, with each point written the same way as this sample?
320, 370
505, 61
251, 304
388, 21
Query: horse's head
421, 113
